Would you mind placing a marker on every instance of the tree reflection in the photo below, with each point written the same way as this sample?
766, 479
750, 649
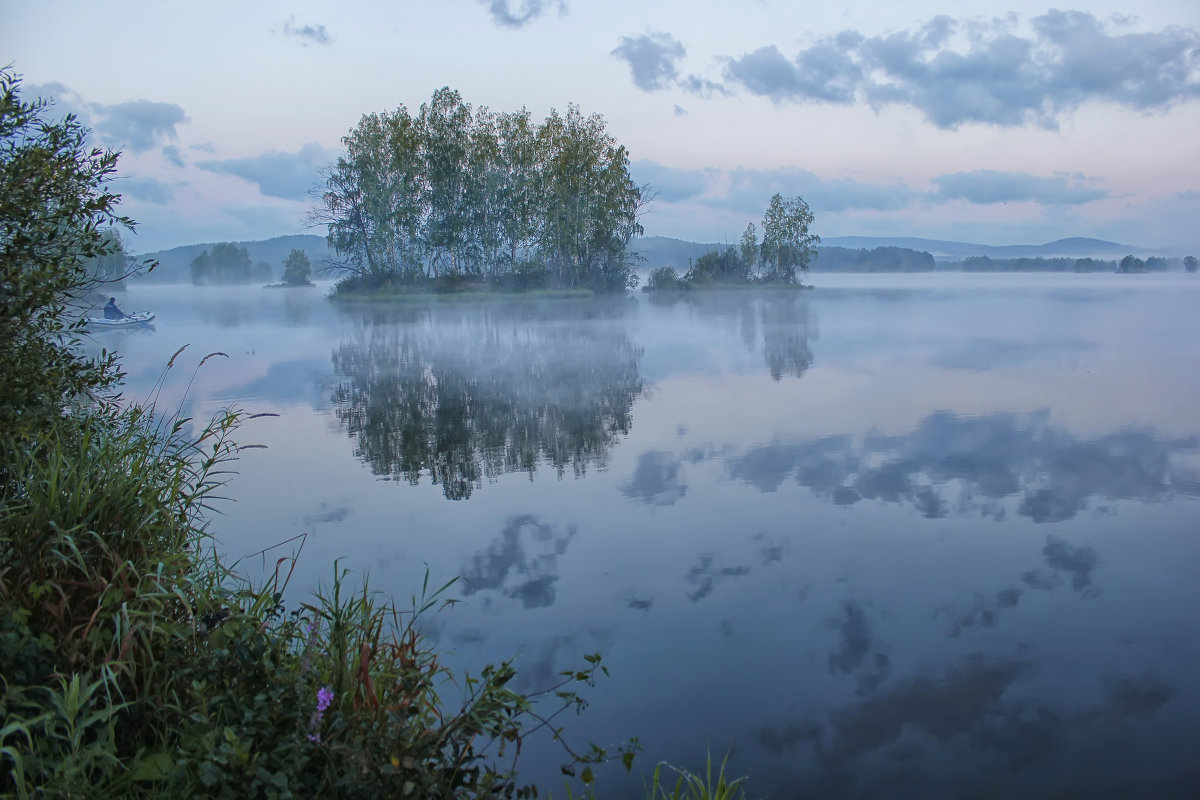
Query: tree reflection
782, 321
469, 394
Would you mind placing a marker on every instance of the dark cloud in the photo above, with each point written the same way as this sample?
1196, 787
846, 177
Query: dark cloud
985, 72
315, 34
529, 10
138, 125
652, 58
987, 186
146, 189
286, 175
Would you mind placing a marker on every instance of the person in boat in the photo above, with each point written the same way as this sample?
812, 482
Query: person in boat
111, 311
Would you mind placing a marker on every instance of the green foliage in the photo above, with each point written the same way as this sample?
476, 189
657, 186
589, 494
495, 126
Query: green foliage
1190, 263
481, 198
722, 266
690, 786
56, 215
787, 245
297, 269
663, 279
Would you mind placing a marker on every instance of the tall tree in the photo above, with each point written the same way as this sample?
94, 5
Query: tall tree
297, 269
749, 246
787, 245
1189, 263
445, 128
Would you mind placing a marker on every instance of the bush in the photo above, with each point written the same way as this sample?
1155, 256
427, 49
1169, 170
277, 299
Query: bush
663, 278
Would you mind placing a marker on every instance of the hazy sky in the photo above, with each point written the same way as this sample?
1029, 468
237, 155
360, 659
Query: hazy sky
999, 123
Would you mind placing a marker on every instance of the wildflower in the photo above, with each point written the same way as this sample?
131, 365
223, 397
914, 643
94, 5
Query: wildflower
324, 700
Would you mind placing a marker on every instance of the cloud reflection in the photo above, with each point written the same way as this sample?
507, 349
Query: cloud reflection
989, 465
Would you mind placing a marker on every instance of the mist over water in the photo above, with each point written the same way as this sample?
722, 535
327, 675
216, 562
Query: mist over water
903, 535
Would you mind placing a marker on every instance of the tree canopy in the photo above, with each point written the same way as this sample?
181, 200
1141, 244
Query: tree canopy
462, 193
297, 269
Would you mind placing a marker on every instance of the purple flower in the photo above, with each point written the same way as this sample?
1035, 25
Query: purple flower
324, 700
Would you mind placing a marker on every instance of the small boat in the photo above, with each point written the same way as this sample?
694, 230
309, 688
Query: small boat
136, 320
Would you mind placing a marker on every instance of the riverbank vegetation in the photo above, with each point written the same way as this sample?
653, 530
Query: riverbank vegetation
459, 198
133, 661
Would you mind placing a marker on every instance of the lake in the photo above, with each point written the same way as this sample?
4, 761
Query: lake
928, 535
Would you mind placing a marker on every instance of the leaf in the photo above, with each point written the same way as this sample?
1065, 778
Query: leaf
153, 767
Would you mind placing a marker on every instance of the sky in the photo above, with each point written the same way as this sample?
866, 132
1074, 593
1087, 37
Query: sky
997, 123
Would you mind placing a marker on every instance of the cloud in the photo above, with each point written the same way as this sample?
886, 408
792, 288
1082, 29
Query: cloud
173, 154
528, 11
138, 124
278, 174
748, 190
751, 189
316, 34
823, 72
987, 186
987, 72
146, 189
653, 59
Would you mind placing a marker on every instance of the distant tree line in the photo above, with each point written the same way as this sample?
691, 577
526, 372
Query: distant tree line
877, 259
454, 196
227, 263
1129, 263
786, 248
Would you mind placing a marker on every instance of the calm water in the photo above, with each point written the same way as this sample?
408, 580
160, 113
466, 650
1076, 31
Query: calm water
907, 536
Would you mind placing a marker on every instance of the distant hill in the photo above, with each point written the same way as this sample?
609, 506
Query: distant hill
662, 251
1076, 247
174, 265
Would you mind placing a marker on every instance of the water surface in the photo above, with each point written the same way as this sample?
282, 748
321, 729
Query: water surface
906, 535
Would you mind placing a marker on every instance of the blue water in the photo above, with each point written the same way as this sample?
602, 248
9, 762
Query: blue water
904, 536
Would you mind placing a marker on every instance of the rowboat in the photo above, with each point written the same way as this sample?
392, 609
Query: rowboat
136, 320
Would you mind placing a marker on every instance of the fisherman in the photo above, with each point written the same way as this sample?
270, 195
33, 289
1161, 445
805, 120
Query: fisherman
111, 311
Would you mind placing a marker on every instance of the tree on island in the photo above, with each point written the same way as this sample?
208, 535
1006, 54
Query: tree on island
786, 247
297, 269
1131, 263
1190, 263
226, 263
456, 195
